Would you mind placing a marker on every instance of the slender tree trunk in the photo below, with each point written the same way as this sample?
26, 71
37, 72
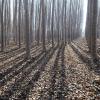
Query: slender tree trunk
2, 33
52, 25
65, 21
19, 23
27, 39
43, 25
31, 20
58, 21
39, 25
69, 23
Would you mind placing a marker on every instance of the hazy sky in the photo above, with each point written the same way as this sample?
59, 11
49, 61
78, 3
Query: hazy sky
12, 8
84, 16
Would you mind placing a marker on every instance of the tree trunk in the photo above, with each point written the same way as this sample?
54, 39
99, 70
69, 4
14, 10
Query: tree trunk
2, 33
27, 37
91, 27
52, 24
43, 25
19, 23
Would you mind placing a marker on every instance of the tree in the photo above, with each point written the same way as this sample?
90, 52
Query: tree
15, 6
43, 24
91, 27
31, 20
58, 21
52, 24
19, 18
65, 17
69, 22
27, 37
2, 27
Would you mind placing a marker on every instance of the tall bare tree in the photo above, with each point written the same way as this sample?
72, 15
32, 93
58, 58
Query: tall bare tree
2, 27
19, 24
52, 24
43, 24
91, 26
27, 36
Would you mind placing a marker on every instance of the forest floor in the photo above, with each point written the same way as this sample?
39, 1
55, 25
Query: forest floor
62, 73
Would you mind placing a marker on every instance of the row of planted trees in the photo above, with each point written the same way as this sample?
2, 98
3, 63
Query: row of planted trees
28, 21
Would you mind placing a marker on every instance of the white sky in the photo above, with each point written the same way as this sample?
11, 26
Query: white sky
84, 16
11, 8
